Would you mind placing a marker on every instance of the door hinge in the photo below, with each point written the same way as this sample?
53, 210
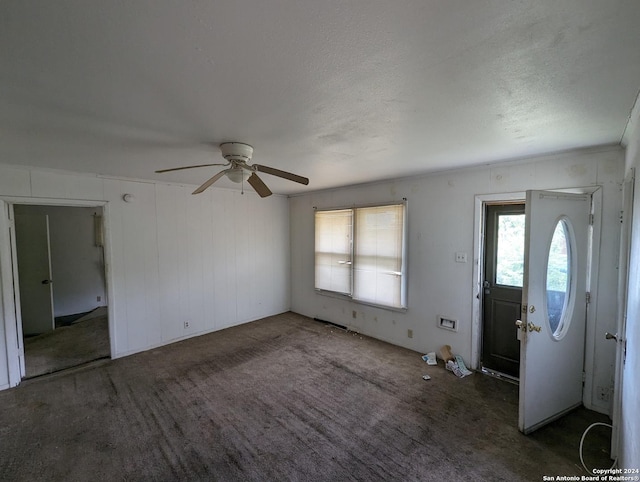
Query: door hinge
584, 378
591, 218
588, 297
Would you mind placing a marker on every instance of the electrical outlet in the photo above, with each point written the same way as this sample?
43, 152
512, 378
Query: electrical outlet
354, 313
410, 333
461, 257
98, 298
603, 393
186, 325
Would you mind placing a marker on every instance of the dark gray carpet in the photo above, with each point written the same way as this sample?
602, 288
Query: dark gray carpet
68, 320
284, 398
84, 340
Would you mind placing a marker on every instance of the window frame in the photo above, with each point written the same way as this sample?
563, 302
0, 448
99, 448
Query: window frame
403, 261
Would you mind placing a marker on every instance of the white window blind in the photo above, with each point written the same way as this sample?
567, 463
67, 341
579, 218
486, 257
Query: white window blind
378, 255
333, 250
360, 252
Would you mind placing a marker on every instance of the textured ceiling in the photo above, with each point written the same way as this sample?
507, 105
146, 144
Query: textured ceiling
340, 92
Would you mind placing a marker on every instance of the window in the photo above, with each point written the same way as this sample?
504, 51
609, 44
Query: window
510, 251
334, 230
359, 252
558, 278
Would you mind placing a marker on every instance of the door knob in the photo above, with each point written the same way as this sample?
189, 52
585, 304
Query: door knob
609, 336
523, 326
47, 281
486, 285
533, 327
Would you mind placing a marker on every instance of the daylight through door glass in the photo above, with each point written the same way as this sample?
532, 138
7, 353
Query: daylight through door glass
510, 251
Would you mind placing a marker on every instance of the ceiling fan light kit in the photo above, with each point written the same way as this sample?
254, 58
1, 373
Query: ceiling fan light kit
237, 174
237, 155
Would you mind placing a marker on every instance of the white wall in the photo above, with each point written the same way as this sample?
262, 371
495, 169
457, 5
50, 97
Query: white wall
629, 449
441, 222
76, 262
216, 260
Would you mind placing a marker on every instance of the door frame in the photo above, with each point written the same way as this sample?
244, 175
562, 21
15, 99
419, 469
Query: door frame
488, 256
478, 276
9, 287
621, 323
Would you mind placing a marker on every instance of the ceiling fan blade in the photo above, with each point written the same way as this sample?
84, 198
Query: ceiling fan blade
188, 167
260, 187
282, 174
210, 181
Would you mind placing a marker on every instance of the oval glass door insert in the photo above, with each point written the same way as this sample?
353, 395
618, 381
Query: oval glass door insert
559, 279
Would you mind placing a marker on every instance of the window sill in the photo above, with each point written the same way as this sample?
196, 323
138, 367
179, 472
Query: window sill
340, 296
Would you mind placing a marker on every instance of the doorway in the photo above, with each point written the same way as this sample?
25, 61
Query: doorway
502, 288
61, 287
538, 328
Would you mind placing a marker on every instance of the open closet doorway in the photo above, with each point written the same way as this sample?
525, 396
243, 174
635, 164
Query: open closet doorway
502, 288
61, 287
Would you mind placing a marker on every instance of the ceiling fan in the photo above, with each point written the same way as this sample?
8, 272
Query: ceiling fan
238, 155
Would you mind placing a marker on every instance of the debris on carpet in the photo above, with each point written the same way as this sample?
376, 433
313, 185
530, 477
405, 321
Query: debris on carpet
453, 363
430, 358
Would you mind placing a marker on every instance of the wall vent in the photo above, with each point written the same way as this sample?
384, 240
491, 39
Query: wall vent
447, 323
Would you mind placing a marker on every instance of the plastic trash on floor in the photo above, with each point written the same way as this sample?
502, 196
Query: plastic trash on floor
453, 363
463, 368
430, 358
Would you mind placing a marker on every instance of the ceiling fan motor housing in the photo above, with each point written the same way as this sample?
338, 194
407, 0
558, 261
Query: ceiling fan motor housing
236, 151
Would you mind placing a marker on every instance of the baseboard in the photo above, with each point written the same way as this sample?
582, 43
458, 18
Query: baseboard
190, 335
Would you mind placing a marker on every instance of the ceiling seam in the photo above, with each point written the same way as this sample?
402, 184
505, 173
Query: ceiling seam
626, 126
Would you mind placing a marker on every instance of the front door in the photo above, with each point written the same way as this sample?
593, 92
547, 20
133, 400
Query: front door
502, 290
552, 326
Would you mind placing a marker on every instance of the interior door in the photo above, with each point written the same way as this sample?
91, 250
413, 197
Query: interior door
34, 273
502, 287
554, 304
